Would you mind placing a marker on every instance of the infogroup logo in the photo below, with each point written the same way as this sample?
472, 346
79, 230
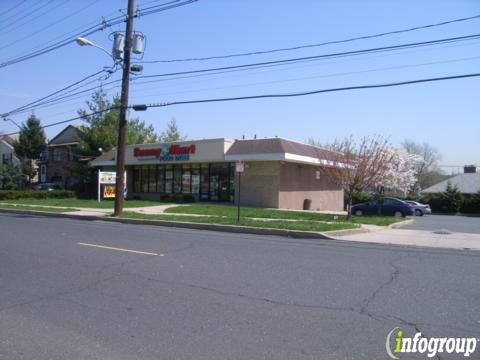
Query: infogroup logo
397, 343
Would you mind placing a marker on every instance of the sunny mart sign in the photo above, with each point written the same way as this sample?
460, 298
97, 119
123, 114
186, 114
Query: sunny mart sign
165, 153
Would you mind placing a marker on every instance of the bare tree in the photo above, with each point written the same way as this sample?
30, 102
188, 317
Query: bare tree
360, 165
424, 169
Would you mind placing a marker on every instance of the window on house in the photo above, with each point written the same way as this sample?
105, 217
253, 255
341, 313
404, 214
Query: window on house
7, 158
71, 154
57, 155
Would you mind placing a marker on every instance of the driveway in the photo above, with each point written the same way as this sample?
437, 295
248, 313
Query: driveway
442, 231
442, 223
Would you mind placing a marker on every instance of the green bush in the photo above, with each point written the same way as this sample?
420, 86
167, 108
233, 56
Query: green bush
28, 194
471, 204
452, 199
361, 197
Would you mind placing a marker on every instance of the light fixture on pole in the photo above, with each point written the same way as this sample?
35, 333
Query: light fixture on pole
85, 42
12, 121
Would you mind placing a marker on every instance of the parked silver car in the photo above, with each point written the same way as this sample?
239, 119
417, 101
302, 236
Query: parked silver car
419, 208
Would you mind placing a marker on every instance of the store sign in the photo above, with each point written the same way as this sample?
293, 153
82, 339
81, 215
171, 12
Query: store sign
108, 191
165, 153
106, 177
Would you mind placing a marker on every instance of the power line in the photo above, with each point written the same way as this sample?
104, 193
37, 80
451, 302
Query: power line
312, 92
29, 105
73, 119
13, 8
365, 37
76, 12
317, 57
93, 29
29, 21
32, 11
73, 93
305, 93
310, 77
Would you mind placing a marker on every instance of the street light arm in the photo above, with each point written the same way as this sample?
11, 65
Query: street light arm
85, 42
14, 122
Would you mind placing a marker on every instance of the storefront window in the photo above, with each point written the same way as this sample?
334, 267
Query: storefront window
136, 179
220, 182
186, 180
204, 182
169, 179
177, 179
145, 178
161, 179
195, 179
152, 179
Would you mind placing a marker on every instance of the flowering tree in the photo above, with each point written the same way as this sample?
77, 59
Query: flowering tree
400, 171
359, 165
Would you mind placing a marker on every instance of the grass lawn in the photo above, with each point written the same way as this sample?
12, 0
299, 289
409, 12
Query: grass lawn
231, 211
36, 208
82, 203
271, 224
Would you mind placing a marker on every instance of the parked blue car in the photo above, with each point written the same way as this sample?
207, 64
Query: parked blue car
389, 206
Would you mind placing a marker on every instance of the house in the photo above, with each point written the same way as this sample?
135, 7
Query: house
60, 159
467, 183
7, 152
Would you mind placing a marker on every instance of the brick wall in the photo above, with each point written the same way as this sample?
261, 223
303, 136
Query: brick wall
59, 164
299, 182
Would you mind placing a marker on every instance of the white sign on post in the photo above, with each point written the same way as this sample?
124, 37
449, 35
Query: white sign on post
106, 177
240, 166
109, 178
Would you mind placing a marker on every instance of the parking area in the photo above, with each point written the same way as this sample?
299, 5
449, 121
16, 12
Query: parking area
445, 223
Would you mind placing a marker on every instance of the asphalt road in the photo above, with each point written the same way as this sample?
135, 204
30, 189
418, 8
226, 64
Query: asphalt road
456, 224
219, 296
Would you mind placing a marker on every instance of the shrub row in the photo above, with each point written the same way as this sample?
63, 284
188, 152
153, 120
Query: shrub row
29, 194
466, 204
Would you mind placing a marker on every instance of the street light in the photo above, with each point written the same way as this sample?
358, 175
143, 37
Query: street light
14, 122
85, 42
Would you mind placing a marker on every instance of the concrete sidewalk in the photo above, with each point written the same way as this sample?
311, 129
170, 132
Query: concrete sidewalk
456, 240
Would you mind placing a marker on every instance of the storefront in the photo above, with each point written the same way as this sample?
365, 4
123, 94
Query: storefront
278, 173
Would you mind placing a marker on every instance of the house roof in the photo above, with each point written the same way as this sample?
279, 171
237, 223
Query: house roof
67, 136
106, 156
466, 184
8, 139
266, 148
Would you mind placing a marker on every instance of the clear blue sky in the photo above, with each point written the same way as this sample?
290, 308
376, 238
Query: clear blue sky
445, 114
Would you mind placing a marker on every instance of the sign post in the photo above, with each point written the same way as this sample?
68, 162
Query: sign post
239, 169
107, 178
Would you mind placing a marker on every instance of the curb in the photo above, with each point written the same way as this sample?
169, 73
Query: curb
189, 225
400, 224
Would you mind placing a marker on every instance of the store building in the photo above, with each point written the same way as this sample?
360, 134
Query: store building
278, 173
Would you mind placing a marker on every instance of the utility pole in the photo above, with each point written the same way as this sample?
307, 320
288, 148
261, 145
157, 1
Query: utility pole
122, 125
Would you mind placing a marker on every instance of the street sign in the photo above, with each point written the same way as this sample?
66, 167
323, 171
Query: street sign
106, 177
240, 166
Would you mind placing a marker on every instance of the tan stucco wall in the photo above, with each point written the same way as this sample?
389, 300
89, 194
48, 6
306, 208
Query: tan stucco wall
260, 183
299, 182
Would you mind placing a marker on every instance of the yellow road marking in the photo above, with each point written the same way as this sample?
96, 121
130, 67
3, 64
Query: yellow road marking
121, 249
